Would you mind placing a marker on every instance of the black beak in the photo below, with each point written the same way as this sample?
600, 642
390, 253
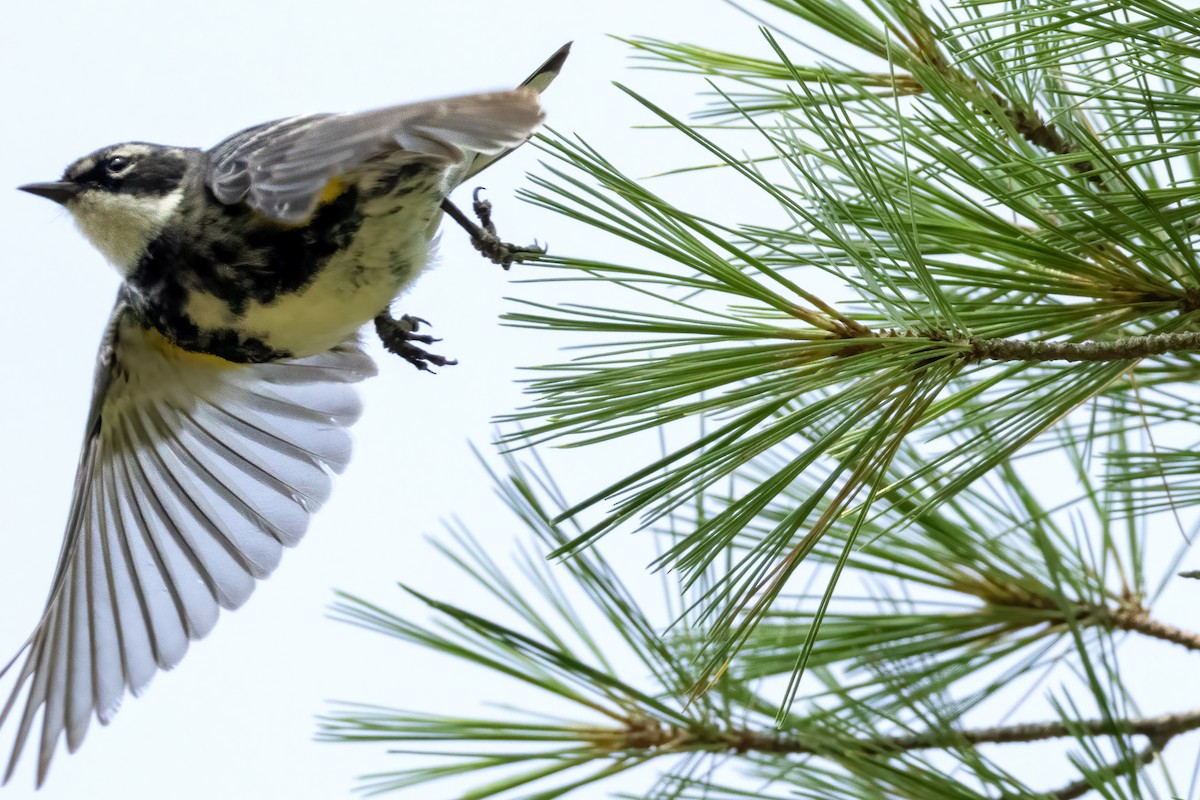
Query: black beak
58, 191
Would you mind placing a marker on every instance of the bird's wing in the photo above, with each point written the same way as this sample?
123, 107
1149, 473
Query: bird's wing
195, 474
282, 168
538, 81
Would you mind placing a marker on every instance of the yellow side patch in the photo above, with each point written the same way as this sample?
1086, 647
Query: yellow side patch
331, 190
170, 350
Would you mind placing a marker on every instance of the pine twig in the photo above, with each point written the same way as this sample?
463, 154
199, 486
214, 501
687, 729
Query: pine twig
644, 733
1082, 786
1138, 620
1128, 348
1038, 132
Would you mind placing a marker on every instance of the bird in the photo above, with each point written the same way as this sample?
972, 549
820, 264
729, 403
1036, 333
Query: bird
225, 383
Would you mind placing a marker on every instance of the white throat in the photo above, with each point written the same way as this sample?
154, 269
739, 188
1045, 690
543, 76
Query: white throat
121, 225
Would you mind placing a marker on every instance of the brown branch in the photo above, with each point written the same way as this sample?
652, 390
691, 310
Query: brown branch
1024, 119
1040, 133
1129, 348
1130, 615
1165, 725
1082, 786
1137, 620
1126, 349
644, 733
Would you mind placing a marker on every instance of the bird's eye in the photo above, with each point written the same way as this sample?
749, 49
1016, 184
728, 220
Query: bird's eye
116, 165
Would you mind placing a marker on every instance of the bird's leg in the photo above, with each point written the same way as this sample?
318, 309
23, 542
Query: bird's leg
398, 336
483, 235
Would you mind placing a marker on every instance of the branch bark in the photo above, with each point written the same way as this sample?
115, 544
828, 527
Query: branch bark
974, 349
1082, 786
1126, 349
1138, 620
645, 733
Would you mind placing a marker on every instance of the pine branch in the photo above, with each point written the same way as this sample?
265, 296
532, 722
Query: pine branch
1137, 620
1035, 130
1125, 349
1144, 758
1129, 348
644, 733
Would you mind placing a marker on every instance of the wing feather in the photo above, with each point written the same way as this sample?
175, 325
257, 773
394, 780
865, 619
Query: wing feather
54, 689
280, 169
249, 537
134, 626
228, 576
195, 475
110, 670
168, 639
184, 576
80, 659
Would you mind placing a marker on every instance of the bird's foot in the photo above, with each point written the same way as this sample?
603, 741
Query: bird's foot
399, 336
483, 235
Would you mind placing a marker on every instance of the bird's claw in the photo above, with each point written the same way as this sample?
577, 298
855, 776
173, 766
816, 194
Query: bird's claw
398, 336
483, 211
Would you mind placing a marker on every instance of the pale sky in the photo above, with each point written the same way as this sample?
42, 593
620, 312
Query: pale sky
236, 718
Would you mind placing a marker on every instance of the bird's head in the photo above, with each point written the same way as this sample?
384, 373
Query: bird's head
122, 196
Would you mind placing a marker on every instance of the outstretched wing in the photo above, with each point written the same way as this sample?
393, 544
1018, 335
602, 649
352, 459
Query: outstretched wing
281, 168
195, 474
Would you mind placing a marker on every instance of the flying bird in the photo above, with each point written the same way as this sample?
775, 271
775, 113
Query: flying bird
225, 380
